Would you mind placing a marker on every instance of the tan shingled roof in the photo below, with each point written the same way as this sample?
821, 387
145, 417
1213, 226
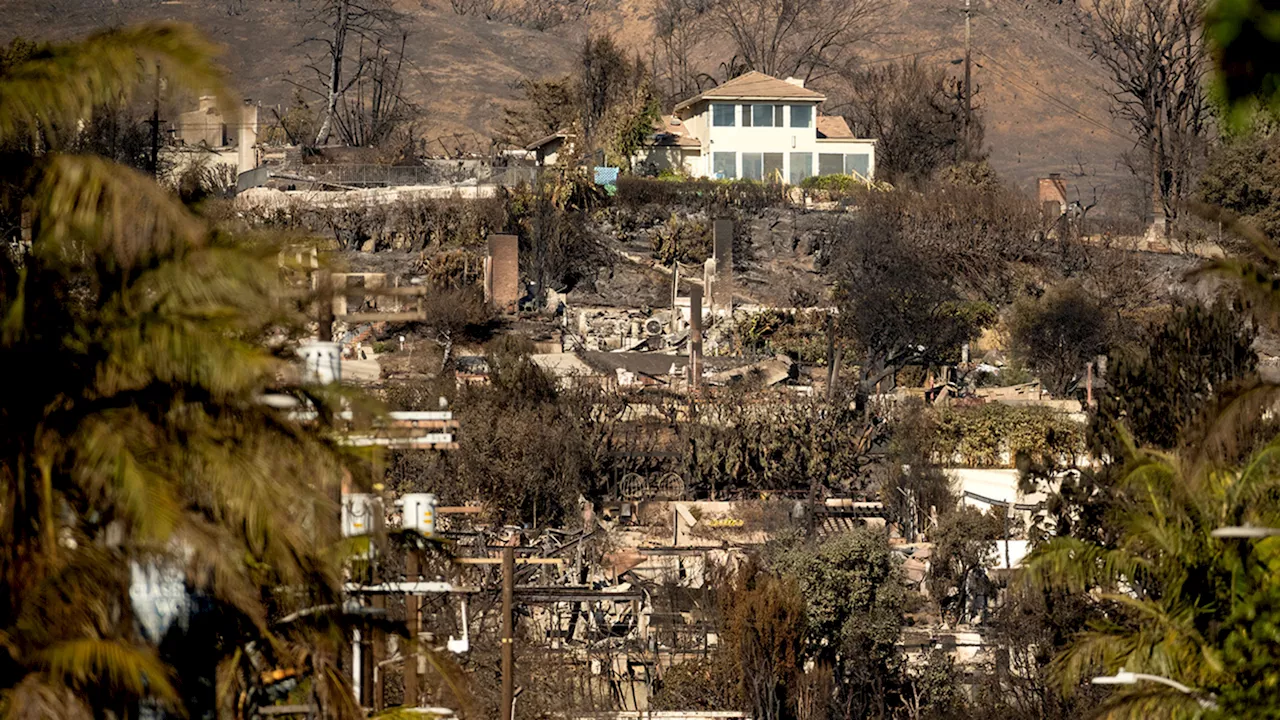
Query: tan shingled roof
755, 86
561, 135
669, 131
833, 127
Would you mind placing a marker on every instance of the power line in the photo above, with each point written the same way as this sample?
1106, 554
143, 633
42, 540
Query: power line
1030, 85
918, 54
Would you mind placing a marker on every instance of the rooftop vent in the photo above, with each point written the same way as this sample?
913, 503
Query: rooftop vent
798, 82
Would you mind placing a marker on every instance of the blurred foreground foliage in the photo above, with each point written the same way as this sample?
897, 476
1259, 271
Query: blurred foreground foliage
163, 533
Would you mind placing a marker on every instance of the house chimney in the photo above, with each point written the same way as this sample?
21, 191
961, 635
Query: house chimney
1052, 194
798, 82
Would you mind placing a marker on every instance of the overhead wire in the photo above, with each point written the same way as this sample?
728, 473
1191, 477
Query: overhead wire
1012, 77
919, 54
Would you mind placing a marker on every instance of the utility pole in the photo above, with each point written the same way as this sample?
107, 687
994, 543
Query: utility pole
968, 87
412, 604
325, 306
508, 634
833, 359
155, 129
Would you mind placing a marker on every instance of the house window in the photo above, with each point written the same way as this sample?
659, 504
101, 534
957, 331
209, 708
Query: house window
765, 115
746, 116
830, 164
722, 115
724, 165
773, 167
857, 163
801, 116
801, 167
752, 166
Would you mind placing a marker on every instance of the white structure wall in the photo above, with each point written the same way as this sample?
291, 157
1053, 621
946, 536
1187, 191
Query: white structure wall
776, 133
790, 142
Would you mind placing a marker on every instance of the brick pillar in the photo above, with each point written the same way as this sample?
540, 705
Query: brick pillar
504, 271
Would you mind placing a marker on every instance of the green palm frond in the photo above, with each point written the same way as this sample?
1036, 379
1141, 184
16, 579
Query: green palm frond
109, 468
110, 665
1159, 650
215, 565
141, 439
1078, 566
91, 208
1234, 416
1091, 652
1259, 287
1232, 223
230, 683
1160, 620
1150, 702
63, 83
336, 693
76, 595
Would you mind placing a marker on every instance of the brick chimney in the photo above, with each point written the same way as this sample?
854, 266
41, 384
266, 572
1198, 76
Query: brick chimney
1052, 194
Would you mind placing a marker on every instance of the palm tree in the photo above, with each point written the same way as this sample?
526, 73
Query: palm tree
133, 446
1166, 590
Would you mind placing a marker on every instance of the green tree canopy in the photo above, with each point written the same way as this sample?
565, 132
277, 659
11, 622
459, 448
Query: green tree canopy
133, 441
855, 599
1057, 334
1157, 391
1167, 589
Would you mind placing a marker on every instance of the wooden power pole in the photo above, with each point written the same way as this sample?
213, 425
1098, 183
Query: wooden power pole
508, 634
412, 603
968, 87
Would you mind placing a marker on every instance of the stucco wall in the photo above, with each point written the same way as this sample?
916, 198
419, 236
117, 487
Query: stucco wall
660, 158
785, 140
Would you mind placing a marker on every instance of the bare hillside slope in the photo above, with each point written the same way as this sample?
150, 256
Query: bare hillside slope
1039, 91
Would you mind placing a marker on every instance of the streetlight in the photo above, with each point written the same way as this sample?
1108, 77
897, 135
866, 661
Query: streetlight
1124, 677
1244, 532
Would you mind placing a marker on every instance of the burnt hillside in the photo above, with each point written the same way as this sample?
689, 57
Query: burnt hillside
1041, 94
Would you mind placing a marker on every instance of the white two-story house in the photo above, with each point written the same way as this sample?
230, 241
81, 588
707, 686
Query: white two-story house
754, 127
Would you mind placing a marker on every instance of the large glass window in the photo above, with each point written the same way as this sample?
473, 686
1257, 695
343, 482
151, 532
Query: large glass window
752, 166
859, 163
773, 167
830, 164
724, 165
801, 167
801, 116
722, 115
765, 115
746, 116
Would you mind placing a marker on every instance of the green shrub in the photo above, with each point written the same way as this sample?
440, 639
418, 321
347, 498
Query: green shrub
838, 183
683, 240
636, 192
800, 335
993, 435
